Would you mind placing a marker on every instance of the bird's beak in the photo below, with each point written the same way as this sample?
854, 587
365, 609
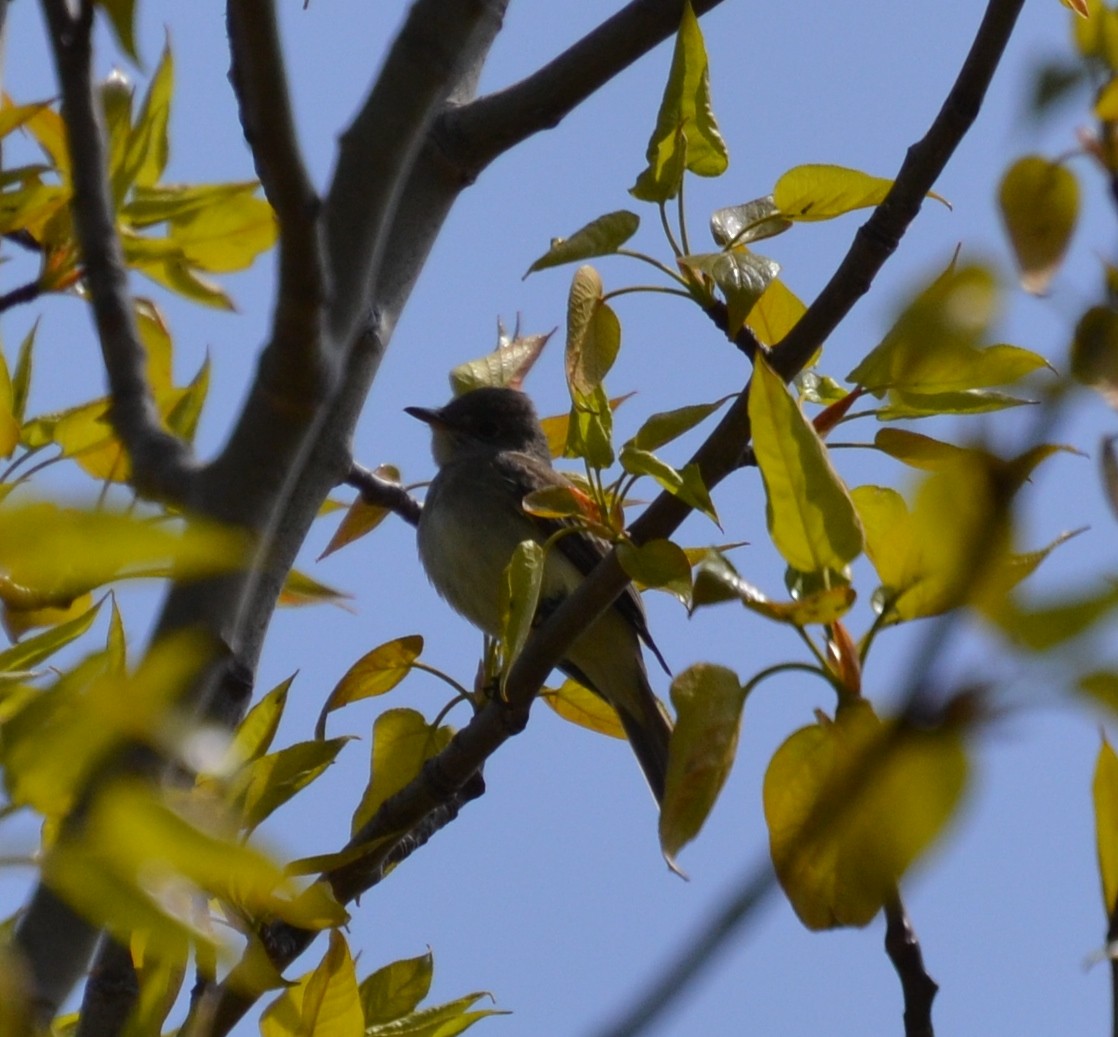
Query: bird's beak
426, 415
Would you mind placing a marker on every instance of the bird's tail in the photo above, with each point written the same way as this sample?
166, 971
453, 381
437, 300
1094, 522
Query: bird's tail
649, 734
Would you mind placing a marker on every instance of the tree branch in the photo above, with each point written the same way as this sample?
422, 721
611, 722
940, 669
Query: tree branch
384, 494
296, 362
903, 948
160, 461
478, 132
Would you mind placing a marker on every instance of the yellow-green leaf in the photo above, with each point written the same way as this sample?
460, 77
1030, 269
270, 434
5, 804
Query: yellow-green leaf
361, 517
810, 514
227, 236
255, 733
590, 429
520, 595
665, 426
850, 804
1105, 792
1094, 351
402, 742
34, 650
708, 701
593, 334
507, 365
1039, 202
269, 781
917, 450
21, 380
1096, 35
581, 706
660, 564
600, 237
375, 673
299, 589
685, 483
323, 1003
775, 314
822, 192
148, 148
742, 275
686, 135
396, 989
122, 17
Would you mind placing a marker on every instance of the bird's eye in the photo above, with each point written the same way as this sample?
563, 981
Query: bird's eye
487, 428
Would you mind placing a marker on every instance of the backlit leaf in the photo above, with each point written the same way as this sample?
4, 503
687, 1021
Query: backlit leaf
299, 589
742, 275
665, 426
775, 314
396, 989
850, 804
708, 700
254, 734
593, 334
917, 450
1094, 351
810, 514
600, 237
227, 236
822, 192
1039, 203
660, 564
752, 221
269, 781
148, 147
375, 673
686, 135
323, 1003
520, 596
507, 365
122, 17
1105, 793
685, 483
581, 706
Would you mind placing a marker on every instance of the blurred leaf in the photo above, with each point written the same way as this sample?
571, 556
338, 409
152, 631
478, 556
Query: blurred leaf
402, 742
9, 425
21, 380
775, 314
34, 650
708, 701
507, 365
299, 589
183, 407
375, 673
918, 451
1100, 686
148, 148
811, 517
269, 781
751, 221
255, 733
686, 135
152, 326
583, 707
46, 126
520, 596
822, 192
1096, 36
1105, 792
1094, 352
1039, 202
1041, 627
122, 17
600, 237
176, 276
1109, 464
850, 804
742, 275
903, 405
323, 1003
396, 989
362, 517
227, 236
13, 116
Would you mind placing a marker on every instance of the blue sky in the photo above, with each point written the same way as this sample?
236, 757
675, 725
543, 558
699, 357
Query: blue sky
550, 891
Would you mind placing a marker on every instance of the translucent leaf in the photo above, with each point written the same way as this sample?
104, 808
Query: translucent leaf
811, 517
176, 276
850, 804
122, 17
396, 989
227, 236
183, 407
903, 405
156, 338
1104, 790
520, 596
17, 621
150, 204
507, 365
446, 1020
743, 277
375, 673
148, 147
686, 135
269, 781
917, 450
665, 426
708, 700
822, 192
1096, 36
1101, 687
323, 1003
752, 221
583, 707
46, 126
600, 237
1043, 626
402, 742
21, 379
255, 733
13, 116
593, 334
590, 429
34, 650
1039, 203
299, 590
775, 314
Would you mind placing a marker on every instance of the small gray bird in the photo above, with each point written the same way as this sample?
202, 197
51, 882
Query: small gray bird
491, 453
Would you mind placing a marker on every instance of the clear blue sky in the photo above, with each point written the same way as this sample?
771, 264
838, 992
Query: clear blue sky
550, 891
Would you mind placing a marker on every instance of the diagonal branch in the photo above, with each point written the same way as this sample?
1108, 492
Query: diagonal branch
480, 131
903, 948
260, 83
160, 461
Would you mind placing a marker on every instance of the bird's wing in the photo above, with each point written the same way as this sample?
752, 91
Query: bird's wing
583, 549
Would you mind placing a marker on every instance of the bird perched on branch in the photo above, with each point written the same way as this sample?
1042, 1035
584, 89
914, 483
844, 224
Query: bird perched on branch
491, 453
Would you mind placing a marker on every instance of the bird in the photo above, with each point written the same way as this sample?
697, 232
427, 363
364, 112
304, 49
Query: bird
491, 452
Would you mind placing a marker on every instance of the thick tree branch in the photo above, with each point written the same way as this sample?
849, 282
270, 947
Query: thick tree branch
903, 948
296, 361
160, 461
478, 132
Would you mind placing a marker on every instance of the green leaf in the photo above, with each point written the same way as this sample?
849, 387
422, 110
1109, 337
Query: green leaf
323, 1003
685, 483
918, 451
752, 221
1039, 203
402, 742
375, 673
665, 426
34, 650
811, 517
148, 148
150, 204
21, 380
122, 17
269, 781
660, 564
1094, 351
590, 429
708, 701
1104, 791
176, 276
593, 334
904, 405
520, 596
1041, 627
299, 590
226, 236
850, 804
822, 192
600, 237
743, 277
395, 990
183, 414
446, 1020
507, 365
686, 135
255, 733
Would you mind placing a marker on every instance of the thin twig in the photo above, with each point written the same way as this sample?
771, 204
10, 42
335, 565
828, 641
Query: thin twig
160, 461
904, 952
24, 293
